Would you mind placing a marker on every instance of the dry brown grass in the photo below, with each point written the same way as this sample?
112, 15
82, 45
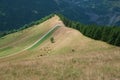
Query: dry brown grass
90, 60
72, 66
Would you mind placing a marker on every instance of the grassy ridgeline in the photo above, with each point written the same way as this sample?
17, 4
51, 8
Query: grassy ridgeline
109, 34
27, 25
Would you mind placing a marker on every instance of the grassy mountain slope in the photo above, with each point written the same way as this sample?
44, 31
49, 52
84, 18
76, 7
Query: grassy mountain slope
72, 57
17, 41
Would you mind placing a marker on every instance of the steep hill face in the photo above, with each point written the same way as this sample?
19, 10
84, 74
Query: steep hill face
14, 14
16, 42
71, 56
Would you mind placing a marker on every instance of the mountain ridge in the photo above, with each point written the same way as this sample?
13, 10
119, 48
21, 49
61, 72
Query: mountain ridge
72, 56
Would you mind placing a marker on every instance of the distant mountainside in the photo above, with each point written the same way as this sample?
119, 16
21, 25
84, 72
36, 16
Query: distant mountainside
16, 13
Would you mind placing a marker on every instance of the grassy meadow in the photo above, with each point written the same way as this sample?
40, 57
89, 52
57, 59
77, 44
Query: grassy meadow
71, 57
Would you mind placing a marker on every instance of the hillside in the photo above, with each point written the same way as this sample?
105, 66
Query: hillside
20, 12
72, 56
17, 41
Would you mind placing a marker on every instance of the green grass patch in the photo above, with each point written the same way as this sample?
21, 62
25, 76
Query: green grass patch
8, 51
44, 38
6, 48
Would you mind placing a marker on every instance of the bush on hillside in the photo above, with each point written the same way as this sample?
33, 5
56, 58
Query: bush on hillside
52, 40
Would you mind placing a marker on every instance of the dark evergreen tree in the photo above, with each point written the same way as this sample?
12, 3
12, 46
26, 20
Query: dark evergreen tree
117, 41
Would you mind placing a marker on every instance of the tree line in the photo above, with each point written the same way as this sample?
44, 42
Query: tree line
109, 34
3, 33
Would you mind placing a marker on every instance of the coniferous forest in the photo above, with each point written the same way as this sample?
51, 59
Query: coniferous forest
109, 34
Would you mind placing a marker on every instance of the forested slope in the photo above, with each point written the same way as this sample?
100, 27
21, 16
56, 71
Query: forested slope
109, 34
